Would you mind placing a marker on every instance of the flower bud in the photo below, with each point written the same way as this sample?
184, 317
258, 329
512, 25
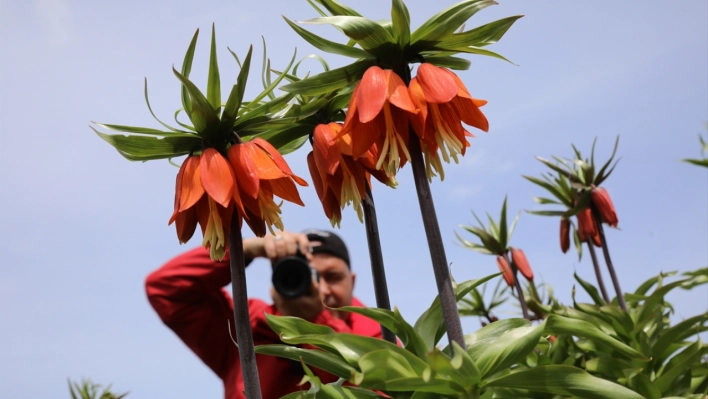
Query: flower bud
596, 240
586, 225
565, 235
504, 267
522, 264
603, 203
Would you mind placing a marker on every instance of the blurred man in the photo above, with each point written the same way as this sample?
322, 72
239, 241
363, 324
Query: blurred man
189, 296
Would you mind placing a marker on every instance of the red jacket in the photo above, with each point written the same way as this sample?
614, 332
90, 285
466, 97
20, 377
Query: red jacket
188, 295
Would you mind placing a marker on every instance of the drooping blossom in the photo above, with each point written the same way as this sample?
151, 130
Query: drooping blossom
522, 264
587, 228
565, 235
339, 179
504, 267
204, 194
603, 203
379, 113
444, 103
262, 173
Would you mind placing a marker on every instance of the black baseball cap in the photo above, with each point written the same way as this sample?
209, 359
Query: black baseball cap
330, 243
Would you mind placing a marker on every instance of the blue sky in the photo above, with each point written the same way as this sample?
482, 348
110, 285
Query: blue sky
83, 226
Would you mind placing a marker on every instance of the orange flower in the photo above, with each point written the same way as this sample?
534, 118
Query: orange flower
444, 104
261, 173
339, 179
603, 203
379, 112
565, 235
204, 194
586, 225
522, 264
504, 267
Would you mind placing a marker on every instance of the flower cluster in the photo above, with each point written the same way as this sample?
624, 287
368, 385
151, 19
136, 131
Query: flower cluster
210, 187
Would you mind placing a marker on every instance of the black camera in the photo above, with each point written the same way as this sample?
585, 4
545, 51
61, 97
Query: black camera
292, 276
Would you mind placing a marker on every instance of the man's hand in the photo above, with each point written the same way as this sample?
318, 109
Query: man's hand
305, 307
275, 247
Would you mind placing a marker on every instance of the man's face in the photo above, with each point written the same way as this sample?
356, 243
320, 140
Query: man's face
336, 282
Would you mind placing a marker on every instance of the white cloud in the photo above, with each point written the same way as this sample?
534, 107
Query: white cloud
55, 14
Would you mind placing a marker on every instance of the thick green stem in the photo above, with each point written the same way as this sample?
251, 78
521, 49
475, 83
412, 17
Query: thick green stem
598, 272
244, 337
376, 257
608, 261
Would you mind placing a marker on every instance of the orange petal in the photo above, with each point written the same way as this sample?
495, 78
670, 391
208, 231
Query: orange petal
244, 170
371, 94
315, 174
418, 98
264, 164
178, 190
203, 213
286, 189
186, 225
364, 135
471, 114
226, 213
325, 148
508, 273
278, 159
191, 190
217, 177
398, 94
344, 144
438, 86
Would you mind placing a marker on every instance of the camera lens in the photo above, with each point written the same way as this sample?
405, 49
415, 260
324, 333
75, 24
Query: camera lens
292, 276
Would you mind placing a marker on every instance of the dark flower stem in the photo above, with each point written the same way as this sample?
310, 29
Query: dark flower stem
517, 285
598, 273
242, 320
377, 265
608, 261
448, 298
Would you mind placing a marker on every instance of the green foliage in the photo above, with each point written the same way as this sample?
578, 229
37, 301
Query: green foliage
704, 152
88, 390
494, 237
392, 44
495, 360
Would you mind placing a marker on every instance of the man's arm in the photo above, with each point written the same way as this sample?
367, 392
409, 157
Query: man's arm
187, 293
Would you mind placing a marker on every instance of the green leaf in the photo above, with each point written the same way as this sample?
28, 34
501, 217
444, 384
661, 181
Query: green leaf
547, 213
401, 20
317, 358
503, 232
186, 70
607, 365
447, 21
508, 349
551, 189
330, 81
139, 130
394, 322
365, 32
471, 50
564, 380
591, 290
430, 324
477, 342
350, 347
583, 203
233, 103
203, 116
213, 82
678, 333
680, 363
545, 201
336, 8
481, 36
513, 225
389, 371
556, 324
144, 148
447, 61
601, 174
697, 162
327, 45
147, 101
